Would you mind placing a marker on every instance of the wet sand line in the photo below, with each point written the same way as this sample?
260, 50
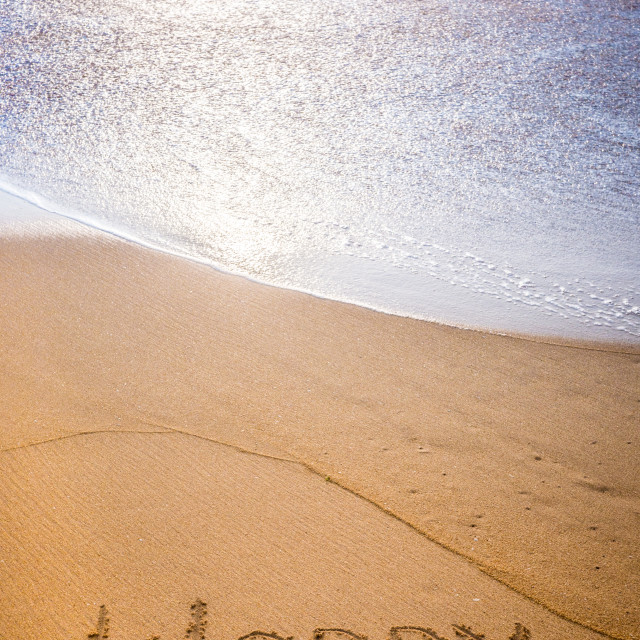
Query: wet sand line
618, 348
76, 435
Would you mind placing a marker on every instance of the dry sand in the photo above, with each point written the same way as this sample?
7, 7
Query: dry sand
173, 435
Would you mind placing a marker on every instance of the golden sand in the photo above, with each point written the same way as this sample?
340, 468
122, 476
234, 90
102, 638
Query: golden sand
174, 435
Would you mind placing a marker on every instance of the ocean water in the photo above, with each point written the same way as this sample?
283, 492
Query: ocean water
475, 162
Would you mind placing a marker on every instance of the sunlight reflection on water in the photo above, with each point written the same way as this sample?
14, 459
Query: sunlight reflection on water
471, 162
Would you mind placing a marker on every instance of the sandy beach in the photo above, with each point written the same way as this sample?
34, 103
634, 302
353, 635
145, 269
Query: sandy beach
182, 446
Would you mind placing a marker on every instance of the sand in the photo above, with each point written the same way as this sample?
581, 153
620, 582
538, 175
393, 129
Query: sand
181, 445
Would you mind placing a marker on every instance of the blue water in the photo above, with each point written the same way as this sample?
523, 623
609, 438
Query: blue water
475, 163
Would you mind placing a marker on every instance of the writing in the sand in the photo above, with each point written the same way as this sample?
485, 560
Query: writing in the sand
198, 625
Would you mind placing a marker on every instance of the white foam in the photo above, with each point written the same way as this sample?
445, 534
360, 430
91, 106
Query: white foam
428, 190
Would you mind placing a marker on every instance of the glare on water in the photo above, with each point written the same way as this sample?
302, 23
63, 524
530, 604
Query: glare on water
471, 162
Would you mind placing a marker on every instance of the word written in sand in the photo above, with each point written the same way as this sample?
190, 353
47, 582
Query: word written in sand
197, 630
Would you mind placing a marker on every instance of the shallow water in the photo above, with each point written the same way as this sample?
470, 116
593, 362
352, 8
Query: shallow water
476, 163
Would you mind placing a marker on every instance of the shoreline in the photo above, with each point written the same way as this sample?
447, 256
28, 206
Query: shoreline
519, 456
27, 200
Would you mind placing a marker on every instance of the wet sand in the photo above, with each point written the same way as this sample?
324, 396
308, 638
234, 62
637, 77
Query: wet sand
174, 435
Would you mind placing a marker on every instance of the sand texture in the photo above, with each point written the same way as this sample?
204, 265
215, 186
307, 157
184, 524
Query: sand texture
202, 455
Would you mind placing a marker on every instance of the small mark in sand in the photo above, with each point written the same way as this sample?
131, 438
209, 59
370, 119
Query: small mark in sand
320, 634
254, 635
102, 628
196, 630
538, 458
396, 633
594, 486
465, 632
522, 633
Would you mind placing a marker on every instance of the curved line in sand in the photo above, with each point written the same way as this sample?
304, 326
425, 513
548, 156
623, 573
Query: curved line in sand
486, 570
